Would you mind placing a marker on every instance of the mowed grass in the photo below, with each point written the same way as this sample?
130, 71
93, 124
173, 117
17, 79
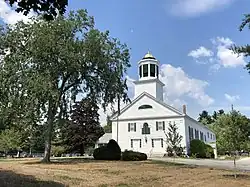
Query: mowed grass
83, 172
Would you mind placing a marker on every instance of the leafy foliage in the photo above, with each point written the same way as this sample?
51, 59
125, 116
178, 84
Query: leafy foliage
199, 149
110, 152
206, 119
108, 128
10, 139
232, 132
133, 156
49, 63
57, 151
83, 129
245, 49
173, 140
49, 8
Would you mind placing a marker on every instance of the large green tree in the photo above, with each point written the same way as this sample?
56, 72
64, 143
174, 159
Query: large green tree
48, 64
232, 132
49, 8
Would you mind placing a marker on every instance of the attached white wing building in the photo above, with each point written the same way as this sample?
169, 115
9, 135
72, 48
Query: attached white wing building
141, 124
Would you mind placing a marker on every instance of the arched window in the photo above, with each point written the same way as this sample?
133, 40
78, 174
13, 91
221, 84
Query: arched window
145, 107
145, 129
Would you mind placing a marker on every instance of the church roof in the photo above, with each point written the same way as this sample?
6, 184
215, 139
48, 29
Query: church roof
114, 116
105, 138
150, 96
148, 56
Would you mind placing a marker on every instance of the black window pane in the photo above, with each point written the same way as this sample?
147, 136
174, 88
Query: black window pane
145, 70
157, 71
140, 71
152, 70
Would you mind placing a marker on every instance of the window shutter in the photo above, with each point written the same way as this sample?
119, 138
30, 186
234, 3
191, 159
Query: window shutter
163, 125
157, 126
128, 127
135, 127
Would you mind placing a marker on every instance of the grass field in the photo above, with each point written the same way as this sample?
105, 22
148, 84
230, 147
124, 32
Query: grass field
82, 172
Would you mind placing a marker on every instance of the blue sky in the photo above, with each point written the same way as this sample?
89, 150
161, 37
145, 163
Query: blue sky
190, 39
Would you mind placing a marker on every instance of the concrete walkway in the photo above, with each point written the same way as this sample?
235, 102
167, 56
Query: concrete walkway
243, 164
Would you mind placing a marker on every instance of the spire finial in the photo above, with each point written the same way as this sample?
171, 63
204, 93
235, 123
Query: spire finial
149, 55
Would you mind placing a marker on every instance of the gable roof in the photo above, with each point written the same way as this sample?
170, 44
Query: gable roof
114, 116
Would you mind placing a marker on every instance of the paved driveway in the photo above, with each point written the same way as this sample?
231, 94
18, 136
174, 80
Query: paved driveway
243, 164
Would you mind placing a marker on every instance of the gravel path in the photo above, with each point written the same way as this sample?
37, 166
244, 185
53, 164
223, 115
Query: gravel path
243, 164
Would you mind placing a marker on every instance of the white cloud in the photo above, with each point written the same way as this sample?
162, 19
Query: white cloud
225, 56
178, 84
200, 52
10, 16
222, 56
193, 8
231, 98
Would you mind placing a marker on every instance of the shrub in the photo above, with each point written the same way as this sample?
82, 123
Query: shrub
209, 151
176, 151
170, 151
133, 156
197, 148
110, 152
57, 151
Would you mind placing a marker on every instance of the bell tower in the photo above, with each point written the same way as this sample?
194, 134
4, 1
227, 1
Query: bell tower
148, 70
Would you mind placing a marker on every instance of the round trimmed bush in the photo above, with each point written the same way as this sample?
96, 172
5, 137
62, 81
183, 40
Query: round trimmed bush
197, 148
110, 152
133, 156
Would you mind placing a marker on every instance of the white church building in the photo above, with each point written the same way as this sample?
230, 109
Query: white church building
141, 124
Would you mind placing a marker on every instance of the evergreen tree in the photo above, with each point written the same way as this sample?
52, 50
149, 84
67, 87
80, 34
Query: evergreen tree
173, 140
83, 129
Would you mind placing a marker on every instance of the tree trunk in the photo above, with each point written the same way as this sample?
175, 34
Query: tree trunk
81, 150
48, 138
18, 154
235, 166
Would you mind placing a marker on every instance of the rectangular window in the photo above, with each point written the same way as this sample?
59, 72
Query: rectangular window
160, 125
191, 133
152, 70
211, 136
132, 127
140, 143
153, 145
208, 134
196, 134
131, 143
205, 138
145, 70
201, 136
140, 71
161, 142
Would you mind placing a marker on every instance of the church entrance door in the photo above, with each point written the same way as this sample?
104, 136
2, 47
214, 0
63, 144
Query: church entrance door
136, 144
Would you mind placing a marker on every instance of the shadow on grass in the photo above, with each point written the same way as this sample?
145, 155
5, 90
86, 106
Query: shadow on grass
69, 160
238, 176
164, 163
9, 178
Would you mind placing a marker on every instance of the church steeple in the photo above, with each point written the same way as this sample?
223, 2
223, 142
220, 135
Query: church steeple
148, 67
149, 77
